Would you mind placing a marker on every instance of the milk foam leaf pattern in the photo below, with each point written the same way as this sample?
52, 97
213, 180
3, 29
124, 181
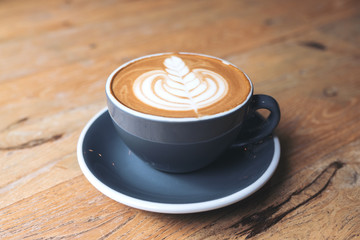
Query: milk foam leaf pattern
177, 88
177, 71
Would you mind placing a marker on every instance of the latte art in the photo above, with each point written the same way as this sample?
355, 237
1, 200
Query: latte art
180, 85
176, 88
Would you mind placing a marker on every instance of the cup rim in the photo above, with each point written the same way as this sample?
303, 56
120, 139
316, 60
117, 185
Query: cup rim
133, 112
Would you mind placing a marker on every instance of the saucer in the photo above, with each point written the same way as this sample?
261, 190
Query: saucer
115, 171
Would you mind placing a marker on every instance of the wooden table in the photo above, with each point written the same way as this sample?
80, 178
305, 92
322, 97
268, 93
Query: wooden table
55, 57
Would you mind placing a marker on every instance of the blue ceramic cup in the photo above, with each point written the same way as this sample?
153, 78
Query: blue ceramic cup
187, 144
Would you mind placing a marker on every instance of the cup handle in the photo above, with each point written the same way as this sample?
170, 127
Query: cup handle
257, 133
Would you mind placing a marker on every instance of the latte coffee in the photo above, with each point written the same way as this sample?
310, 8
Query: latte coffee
180, 85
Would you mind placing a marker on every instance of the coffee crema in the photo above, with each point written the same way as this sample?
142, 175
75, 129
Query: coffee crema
180, 85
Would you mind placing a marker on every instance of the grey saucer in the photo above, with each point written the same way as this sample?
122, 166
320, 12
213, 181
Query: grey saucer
116, 172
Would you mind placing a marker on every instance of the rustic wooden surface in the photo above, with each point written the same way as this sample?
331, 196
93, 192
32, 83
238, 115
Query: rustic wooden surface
55, 57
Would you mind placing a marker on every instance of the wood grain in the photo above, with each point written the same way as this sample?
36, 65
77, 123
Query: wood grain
56, 56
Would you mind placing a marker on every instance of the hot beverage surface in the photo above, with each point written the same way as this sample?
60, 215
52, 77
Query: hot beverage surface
180, 85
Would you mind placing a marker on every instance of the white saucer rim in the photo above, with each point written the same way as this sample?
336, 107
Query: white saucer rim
173, 208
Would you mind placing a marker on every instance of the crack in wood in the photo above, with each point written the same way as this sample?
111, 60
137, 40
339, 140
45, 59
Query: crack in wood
14, 124
32, 143
261, 221
315, 45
